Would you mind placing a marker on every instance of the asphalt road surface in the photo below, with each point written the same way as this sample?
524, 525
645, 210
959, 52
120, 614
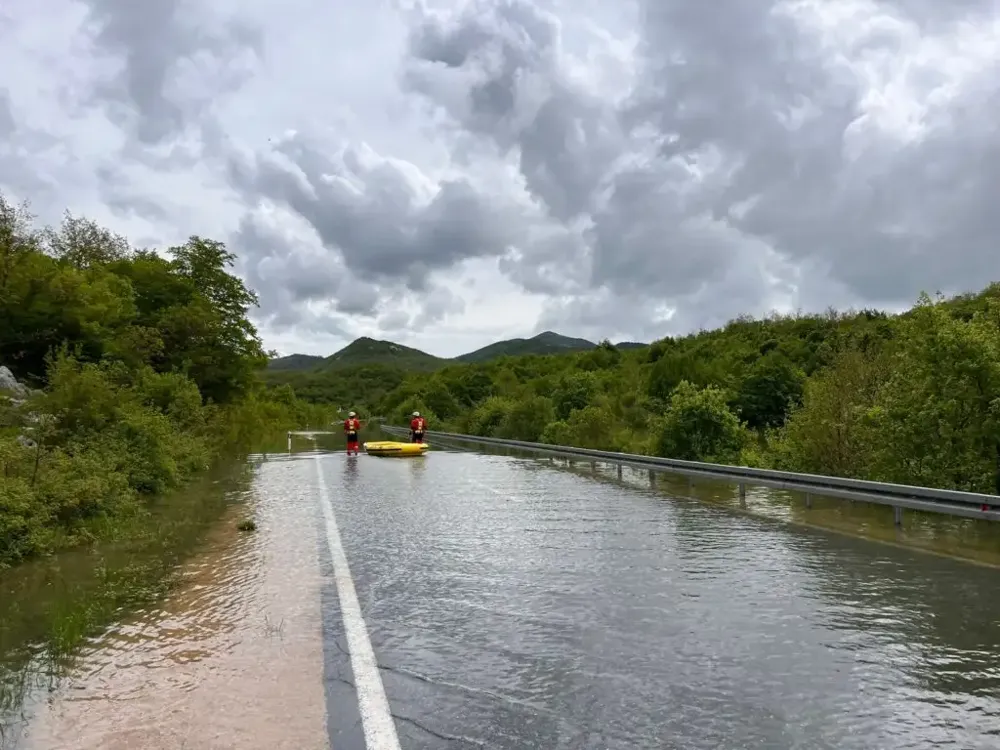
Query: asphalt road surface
510, 604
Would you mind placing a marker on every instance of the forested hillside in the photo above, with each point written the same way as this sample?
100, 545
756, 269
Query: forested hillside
136, 372
546, 342
913, 398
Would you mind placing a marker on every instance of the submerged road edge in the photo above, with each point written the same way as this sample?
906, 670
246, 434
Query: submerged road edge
376, 716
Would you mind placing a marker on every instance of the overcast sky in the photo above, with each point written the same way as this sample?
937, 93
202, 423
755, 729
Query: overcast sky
445, 174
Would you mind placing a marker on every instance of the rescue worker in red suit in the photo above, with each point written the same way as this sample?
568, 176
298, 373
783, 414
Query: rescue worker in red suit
352, 426
417, 426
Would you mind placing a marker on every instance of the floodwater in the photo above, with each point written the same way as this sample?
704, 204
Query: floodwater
515, 604
966, 539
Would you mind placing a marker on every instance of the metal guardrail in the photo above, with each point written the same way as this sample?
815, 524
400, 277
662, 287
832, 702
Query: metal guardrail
898, 496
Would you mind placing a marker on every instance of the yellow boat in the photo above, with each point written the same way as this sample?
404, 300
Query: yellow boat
390, 448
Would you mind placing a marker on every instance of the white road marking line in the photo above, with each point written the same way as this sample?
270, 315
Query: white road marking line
376, 717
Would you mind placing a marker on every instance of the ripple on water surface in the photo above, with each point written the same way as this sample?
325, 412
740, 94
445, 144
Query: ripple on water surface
512, 605
522, 606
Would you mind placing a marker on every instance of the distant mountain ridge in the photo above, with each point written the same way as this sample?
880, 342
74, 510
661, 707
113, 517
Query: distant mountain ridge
547, 342
368, 351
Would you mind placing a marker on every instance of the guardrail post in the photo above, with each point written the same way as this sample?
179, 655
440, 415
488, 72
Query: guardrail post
898, 497
743, 495
593, 466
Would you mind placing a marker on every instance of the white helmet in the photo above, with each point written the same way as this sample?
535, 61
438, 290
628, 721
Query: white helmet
351, 414
416, 413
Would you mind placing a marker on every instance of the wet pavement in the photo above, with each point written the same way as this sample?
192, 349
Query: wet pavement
233, 658
513, 604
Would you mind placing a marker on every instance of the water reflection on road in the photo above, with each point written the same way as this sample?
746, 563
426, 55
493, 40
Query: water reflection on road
513, 604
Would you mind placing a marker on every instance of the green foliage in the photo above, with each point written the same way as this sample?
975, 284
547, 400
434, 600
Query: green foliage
525, 419
295, 362
907, 398
351, 387
700, 426
366, 351
544, 343
573, 391
831, 433
488, 416
937, 418
149, 368
769, 392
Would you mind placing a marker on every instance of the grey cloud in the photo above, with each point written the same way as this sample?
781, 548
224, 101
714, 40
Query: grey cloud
287, 277
436, 306
394, 321
931, 14
600, 315
125, 198
887, 223
23, 166
368, 211
175, 60
7, 124
747, 137
747, 169
555, 261
496, 70
743, 286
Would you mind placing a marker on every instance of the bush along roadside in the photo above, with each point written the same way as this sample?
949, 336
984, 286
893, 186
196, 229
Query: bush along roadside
911, 398
122, 374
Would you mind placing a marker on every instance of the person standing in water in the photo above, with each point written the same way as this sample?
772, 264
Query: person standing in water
417, 426
352, 426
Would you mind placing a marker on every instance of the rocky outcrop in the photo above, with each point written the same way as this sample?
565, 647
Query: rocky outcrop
12, 389
15, 394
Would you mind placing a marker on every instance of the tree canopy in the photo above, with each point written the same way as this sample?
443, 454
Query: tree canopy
911, 398
146, 368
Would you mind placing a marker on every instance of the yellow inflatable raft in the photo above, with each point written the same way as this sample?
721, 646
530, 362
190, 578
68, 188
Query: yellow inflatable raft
390, 448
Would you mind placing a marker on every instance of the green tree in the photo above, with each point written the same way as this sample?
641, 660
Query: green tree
82, 243
223, 351
832, 432
673, 368
150, 370
573, 391
604, 357
441, 401
590, 427
769, 392
525, 419
938, 416
487, 417
699, 426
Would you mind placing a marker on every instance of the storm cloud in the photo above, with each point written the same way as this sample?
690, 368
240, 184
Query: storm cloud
605, 169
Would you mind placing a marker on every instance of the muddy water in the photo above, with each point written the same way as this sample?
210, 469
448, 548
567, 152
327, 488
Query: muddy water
230, 657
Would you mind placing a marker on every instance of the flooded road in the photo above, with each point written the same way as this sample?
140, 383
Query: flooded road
225, 660
512, 604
